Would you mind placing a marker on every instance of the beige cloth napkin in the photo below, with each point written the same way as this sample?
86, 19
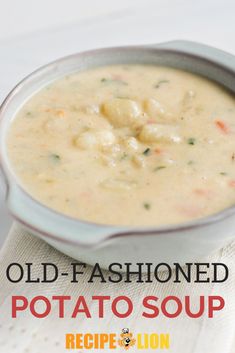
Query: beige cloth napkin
29, 335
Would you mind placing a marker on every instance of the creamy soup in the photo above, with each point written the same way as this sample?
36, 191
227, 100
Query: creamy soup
128, 145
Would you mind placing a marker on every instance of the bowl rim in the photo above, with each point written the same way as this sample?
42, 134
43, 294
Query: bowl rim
115, 230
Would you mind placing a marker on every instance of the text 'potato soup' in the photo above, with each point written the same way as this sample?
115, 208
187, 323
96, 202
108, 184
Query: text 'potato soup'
128, 145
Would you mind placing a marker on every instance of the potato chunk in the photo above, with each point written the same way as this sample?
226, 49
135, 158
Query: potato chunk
139, 161
159, 133
123, 112
91, 108
158, 112
131, 144
95, 139
154, 108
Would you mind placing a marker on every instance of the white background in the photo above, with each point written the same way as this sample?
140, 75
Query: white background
35, 32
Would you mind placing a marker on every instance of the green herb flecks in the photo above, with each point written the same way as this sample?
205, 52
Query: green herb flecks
147, 205
55, 157
147, 152
123, 156
160, 83
190, 162
191, 141
122, 97
223, 173
29, 114
114, 81
159, 168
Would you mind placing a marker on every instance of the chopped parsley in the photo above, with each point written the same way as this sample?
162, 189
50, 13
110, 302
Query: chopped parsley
158, 85
111, 80
223, 173
124, 156
191, 141
55, 157
147, 206
122, 97
159, 168
147, 151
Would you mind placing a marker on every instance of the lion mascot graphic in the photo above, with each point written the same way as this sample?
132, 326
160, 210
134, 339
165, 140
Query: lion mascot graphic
126, 340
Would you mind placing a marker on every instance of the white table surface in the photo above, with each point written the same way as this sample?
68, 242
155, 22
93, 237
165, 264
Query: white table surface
34, 33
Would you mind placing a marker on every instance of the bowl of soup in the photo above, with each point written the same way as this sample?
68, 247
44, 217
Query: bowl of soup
125, 154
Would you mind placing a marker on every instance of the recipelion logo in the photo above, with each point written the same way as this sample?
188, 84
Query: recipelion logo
126, 340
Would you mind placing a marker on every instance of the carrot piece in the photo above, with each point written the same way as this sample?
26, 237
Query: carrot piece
232, 183
222, 126
203, 192
190, 210
117, 77
151, 121
60, 113
158, 151
200, 192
